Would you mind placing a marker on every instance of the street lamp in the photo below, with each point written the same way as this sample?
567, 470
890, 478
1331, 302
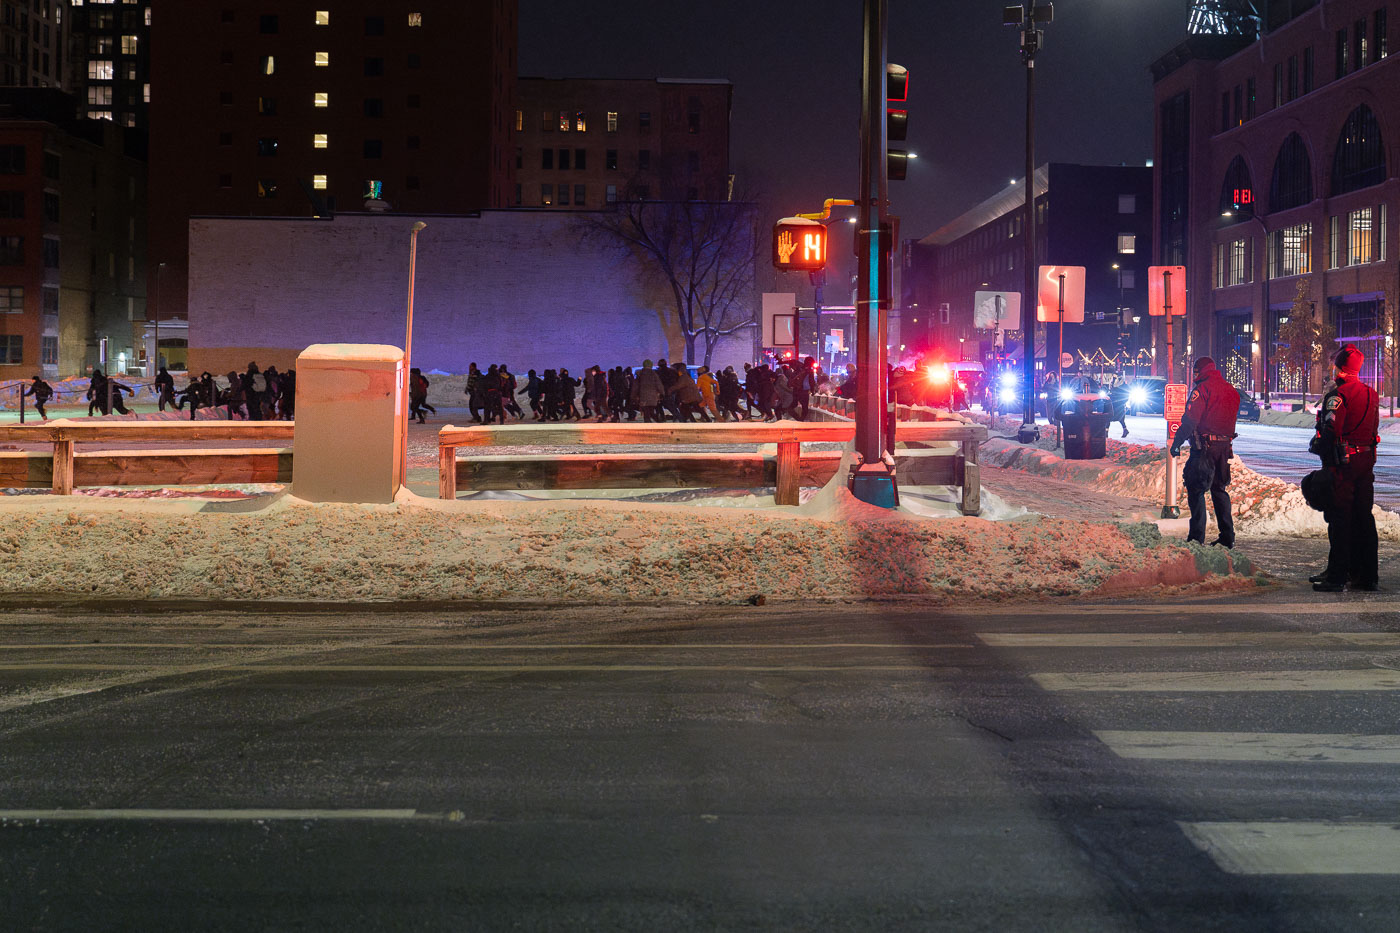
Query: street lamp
408, 344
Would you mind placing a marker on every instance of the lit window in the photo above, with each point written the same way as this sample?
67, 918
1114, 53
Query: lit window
580, 123
318, 182
563, 121
267, 64
323, 99
320, 141
129, 44
612, 121
99, 96
99, 70
323, 18
519, 121
374, 190
146, 92
323, 59
1127, 243
415, 19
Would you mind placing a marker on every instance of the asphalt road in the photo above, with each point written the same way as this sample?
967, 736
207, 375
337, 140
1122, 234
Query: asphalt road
1223, 764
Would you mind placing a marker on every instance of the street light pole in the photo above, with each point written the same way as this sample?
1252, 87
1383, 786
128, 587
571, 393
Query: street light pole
408, 345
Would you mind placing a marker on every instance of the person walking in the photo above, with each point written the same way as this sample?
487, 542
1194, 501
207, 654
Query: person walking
418, 396
1346, 439
1209, 423
41, 391
165, 389
508, 390
1118, 401
491, 388
646, 391
234, 398
287, 400
97, 392
731, 393
804, 383
687, 395
709, 389
473, 391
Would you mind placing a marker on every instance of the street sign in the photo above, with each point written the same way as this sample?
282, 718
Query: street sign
779, 319
996, 310
1173, 408
799, 244
1166, 286
1061, 290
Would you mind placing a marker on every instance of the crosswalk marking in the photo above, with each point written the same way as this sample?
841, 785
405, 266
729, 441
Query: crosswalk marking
1299, 847
1220, 681
1280, 640
1254, 746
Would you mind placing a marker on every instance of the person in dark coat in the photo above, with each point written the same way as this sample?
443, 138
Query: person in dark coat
1346, 440
418, 396
803, 384
687, 395
491, 388
617, 393
234, 398
164, 385
730, 394
598, 388
534, 391
254, 388
667, 375
508, 388
272, 393
41, 391
97, 392
762, 391
287, 399
567, 388
1209, 424
476, 399
647, 391
1118, 401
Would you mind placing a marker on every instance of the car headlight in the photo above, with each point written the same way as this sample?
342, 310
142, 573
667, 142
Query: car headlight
1008, 379
1137, 396
1103, 394
1066, 394
1007, 394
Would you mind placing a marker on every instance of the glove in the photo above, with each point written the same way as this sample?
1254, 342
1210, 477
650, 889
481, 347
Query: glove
1176, 450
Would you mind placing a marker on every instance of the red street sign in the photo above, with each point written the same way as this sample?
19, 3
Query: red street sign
1172, 428
1174, 402
1158, 294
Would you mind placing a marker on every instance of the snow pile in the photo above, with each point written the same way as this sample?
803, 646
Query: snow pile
572, 551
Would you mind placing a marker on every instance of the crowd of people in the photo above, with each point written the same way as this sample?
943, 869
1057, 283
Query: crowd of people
653, 392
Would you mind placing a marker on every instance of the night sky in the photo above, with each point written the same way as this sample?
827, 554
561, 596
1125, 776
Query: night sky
795, 66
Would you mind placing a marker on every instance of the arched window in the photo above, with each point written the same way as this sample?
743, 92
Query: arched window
1360, 159
1237, 193
1292, 184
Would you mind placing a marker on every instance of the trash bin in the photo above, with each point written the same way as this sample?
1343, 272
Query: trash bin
1074, 428
1098, 434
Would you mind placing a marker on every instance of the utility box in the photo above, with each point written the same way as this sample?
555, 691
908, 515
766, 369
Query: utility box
350, 422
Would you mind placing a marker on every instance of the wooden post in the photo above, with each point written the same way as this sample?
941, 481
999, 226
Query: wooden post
789, 461
972, 479
447, 472
63, 467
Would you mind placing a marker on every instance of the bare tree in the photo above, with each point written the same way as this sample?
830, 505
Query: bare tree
702, 253
1304, 341
1388, 346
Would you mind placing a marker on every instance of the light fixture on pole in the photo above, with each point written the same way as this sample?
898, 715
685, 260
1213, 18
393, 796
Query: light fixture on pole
408, 346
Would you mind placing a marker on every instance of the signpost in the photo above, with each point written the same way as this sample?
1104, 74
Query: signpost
780, 320
1166, 297
1061, 294
997, 312
1174, 409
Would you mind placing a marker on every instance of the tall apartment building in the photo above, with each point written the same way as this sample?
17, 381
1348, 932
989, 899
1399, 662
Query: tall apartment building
585, 143
33, 43
72, 238
110, 59
1277, 173
304, 107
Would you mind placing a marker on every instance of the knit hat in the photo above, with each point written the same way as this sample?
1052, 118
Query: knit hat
1349, 360
1203, 364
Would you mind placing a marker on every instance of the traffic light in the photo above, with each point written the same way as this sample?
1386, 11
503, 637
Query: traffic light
799, 244
896, 120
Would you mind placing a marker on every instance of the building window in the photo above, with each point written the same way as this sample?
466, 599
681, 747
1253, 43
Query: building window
267, 188
11, 349
323, 17
267, 146
374, 25
563, 195
1334, 242
51, 253
1249, 96
520, 121
267, 106
99, 70
320, 141
1360, 158
644, 121
611, 194
374, 149
1307, 70
519, 194
1358, 50
1290, 251
1127, 243
267, 64
11, 299
267, 24
1381, 244
374, 107
1360, 241
580, 159
547, 158
225, 98
322, 59
564, 160
1292, 182
612, 121
564, 121
692, 161
99, 96
1379, 45
415, 19
49, 297
1237, 190
1341, 53
413, 60
48, 351
12, 204
319, 182
610, 160
580, 193
546, 195
226, 180
644, 160
374, 190
321, 99
11, 250
1127, 204
580, 122
51, 207
1278, 85
1240, 270
12, 161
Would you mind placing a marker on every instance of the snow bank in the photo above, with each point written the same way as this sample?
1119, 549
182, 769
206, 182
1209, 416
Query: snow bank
562, 551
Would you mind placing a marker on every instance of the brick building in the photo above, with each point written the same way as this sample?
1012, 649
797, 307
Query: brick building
528, 288
303, 107
109, 63
34, 39
584, 143
72, 237
1094, 216
1276, 181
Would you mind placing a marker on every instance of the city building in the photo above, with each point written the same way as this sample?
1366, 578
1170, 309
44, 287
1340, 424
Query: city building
305, 107
1094, 216
584, 143
110, 62
33, 43
72, 238
1275, 183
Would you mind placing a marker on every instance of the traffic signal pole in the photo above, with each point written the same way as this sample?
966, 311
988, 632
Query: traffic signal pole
872, 479
1028, 432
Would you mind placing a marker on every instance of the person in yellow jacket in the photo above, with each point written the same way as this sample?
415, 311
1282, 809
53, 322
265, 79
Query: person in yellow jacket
708, 387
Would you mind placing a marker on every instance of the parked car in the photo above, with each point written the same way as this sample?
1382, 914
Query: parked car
1249, 409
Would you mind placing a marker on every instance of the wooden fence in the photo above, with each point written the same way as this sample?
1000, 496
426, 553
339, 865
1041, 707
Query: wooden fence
66, 467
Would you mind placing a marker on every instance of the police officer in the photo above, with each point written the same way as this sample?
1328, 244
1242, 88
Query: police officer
1209, 423
1346, 441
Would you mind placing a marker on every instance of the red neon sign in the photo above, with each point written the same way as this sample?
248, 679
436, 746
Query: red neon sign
1243, 196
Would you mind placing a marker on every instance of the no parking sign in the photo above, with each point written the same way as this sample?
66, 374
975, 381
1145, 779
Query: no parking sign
1174, 408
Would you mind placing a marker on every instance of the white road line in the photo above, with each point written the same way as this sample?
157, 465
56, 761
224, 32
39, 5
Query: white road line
1254, 746
1299, 847
221, 815
1221, 681
1286, 640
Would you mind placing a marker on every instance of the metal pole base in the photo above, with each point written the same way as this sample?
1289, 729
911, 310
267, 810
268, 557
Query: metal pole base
875, 483
1171, 511
1028, 434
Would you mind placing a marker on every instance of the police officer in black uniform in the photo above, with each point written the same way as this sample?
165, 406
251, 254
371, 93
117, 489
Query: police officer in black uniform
1346, 441
1209, 423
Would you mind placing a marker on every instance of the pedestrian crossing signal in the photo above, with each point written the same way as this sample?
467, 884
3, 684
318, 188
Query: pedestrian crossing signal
800, 244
